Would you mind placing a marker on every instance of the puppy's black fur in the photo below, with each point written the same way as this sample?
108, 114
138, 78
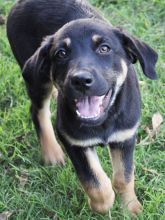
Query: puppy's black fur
90, 63
30, 21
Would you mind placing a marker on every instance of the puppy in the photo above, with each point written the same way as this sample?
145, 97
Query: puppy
90, 62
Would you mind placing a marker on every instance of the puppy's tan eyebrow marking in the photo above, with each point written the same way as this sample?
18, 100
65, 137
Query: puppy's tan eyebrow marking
67, 41
96, 38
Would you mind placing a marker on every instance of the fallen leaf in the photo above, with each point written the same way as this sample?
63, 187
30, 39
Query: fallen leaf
5, 215
23, 178
154, 127
157, 119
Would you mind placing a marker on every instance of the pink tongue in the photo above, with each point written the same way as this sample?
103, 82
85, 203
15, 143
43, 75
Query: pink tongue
89, 106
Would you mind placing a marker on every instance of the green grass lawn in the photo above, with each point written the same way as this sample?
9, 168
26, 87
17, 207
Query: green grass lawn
32, 191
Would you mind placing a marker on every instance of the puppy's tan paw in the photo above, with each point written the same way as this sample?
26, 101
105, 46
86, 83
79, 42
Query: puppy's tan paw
102, 205
134, 207
54, 156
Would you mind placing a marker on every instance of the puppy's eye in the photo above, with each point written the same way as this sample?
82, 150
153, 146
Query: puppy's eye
104, 49
61, 54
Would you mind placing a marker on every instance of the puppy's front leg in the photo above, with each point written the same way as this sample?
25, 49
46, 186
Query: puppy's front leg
38, 77
41, 115
123, 173
93, 178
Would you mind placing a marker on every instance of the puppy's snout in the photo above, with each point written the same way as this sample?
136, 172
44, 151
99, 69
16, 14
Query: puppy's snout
82, 80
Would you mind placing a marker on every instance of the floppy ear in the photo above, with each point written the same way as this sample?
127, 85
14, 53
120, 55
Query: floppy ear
37, 67
136, 49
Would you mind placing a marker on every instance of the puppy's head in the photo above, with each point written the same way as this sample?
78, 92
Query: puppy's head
88, 60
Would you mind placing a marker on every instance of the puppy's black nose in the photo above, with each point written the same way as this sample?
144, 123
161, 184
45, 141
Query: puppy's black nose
82, 80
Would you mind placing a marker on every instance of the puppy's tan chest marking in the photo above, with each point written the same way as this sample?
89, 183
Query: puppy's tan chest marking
117, 136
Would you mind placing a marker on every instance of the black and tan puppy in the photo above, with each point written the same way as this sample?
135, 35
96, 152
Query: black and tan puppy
90, 63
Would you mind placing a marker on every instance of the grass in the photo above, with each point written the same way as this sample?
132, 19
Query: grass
33, 191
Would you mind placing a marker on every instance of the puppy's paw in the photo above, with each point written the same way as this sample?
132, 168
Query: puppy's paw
134, 207
54, 155
102, 205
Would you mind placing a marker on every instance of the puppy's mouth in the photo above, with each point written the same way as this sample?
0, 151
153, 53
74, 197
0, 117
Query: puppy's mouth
91, 108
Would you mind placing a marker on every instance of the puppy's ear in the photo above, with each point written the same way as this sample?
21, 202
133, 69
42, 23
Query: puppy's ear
138, 50
37, 67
